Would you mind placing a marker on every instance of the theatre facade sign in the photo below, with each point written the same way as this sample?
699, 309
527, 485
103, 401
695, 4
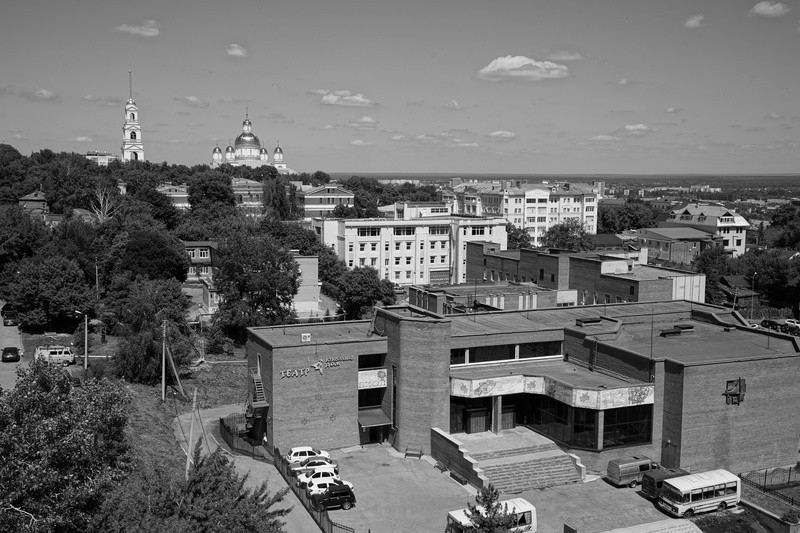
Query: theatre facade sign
320, 366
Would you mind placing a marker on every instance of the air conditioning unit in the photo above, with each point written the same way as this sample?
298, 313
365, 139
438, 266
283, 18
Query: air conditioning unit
305, 337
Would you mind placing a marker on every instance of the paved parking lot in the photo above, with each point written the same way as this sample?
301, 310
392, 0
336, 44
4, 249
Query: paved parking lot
396, 494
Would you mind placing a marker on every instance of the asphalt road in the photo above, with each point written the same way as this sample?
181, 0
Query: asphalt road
9, 336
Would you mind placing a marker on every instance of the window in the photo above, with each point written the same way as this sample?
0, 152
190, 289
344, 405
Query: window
433, 259
443, 259
133, 135
408, 260
133, 116
361, 247
374, 246
350, 247
386, 261
421, 245
397, 247
203, 254
734, 391
433, 245
386, 246
350, 263
397, 274
369, 232
421, 260
396, 260
552, 278
408, 274
361, 262
408, 246
190, 253
479, 230
439, 230
589, 208
404, 231
631, 290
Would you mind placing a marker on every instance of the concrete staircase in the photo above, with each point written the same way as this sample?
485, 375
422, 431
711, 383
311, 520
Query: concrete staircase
516, 470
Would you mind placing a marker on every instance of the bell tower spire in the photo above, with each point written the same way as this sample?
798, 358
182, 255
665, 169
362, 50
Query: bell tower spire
132, 146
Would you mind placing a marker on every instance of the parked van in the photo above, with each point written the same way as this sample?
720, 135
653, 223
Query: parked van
59, 355
524, 517
629, 470
653, 481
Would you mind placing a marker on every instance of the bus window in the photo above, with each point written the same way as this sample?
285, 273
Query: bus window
719, 490
730, 488
697, 495
708, 493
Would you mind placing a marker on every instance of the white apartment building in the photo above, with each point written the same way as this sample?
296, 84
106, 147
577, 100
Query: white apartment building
416, 249
533, 207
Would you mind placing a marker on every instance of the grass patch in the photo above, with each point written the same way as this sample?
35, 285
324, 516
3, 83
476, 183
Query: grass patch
727, 522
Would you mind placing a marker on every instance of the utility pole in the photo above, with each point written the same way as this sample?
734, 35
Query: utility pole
85, 341
96, 279
753, 291
191, 435
164, 360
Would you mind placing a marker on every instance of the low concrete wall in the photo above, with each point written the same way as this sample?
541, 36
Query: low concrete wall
450, 453
771, 521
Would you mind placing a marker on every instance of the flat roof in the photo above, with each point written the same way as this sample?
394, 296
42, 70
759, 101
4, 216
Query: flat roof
567, 373
680, 233
707, 343
321, 333
647, 272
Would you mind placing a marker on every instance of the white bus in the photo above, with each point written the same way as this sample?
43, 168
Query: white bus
524, 517
696, 493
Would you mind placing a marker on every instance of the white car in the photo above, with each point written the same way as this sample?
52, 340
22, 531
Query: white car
321, 487
298, 453
307, 465
318, 474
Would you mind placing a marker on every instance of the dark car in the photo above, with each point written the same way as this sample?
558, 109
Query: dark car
10, 354
336, 496
770, 324
10, 318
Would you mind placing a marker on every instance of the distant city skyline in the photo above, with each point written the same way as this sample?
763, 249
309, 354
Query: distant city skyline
508, 87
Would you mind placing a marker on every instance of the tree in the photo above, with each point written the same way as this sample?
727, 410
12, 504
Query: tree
105, 203
161, 206
214, 500
276, 204
47, 290
144, 299
21, 236
257, 281
359, 289
211, 195
63, 448
517, 237
152, 254
714, 263
488, 515
320, 178
569, 235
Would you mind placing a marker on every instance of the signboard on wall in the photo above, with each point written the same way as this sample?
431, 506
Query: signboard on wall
372, 379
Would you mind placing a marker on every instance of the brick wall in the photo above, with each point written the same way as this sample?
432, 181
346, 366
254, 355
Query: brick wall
761, 432
673, 410
448, 451
420, 351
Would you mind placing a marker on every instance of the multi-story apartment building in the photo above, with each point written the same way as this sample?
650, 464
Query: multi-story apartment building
534, 207
201, 259
412, 248
716, 220
321, 201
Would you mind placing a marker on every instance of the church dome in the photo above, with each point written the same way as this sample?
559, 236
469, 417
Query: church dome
278, 150
247, 139
229, 149
263, 151
217, 150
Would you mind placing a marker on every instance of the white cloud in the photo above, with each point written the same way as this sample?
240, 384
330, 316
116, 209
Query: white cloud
773, 116
105, 101
328, 127
770, 9
40, 95
399, 138
637, 129
522, 68
673, 109
320, 92
236, 50
148, 28
625, 81
191, 101
563, 55
366, 119
502, 135
604, 138
359, 142
81, 139
454, 105
695, 21
345, 98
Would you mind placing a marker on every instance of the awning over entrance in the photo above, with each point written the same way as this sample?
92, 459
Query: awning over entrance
370, 418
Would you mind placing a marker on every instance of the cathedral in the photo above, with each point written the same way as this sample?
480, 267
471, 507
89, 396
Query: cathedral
248, 151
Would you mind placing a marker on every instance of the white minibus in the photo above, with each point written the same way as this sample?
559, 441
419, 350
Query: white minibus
684, 496
524, 517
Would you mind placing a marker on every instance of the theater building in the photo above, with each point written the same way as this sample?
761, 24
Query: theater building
686, 383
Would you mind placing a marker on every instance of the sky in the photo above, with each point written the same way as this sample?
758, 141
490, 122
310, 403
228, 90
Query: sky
415, 86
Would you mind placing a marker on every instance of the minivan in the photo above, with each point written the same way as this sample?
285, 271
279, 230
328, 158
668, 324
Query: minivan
653, 481
58, 355
629, 470
337, 496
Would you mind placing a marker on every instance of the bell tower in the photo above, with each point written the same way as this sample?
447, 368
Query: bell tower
132, 147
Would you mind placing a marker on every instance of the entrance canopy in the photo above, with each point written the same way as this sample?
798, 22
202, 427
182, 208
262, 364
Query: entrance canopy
370, 418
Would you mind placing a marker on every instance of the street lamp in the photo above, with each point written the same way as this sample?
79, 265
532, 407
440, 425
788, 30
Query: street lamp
85, 339
753, 291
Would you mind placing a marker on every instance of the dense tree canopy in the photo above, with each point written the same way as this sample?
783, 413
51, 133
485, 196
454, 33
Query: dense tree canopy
62, 447
360, 288
152, 254
632, 215
517, 237
569, 235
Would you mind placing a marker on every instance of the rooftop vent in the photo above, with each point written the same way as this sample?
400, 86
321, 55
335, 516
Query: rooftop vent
670, 332
685, 328
588, 321
305, 337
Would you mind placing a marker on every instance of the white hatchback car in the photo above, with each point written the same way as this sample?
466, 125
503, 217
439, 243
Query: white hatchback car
318, 474
298, 453
321, 487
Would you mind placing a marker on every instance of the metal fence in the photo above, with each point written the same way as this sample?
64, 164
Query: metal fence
240, 442
320, 515
783, 483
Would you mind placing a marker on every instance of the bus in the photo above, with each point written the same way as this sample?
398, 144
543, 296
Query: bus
653, 481
684, 496
524, 517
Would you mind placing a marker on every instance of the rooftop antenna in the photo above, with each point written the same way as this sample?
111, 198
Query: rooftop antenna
246, 113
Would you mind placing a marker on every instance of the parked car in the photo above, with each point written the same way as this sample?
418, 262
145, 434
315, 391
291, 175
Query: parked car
770, 324
10, 354
298, 453
629, 470
307, 465
10, 317
790, 327
320, 473
320, 487
56, 354
336, 496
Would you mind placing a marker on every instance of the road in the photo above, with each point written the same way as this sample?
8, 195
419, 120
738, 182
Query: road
9, 336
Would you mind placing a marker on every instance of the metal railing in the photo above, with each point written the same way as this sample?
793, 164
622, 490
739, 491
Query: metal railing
240, 442
773, 481
319, 514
